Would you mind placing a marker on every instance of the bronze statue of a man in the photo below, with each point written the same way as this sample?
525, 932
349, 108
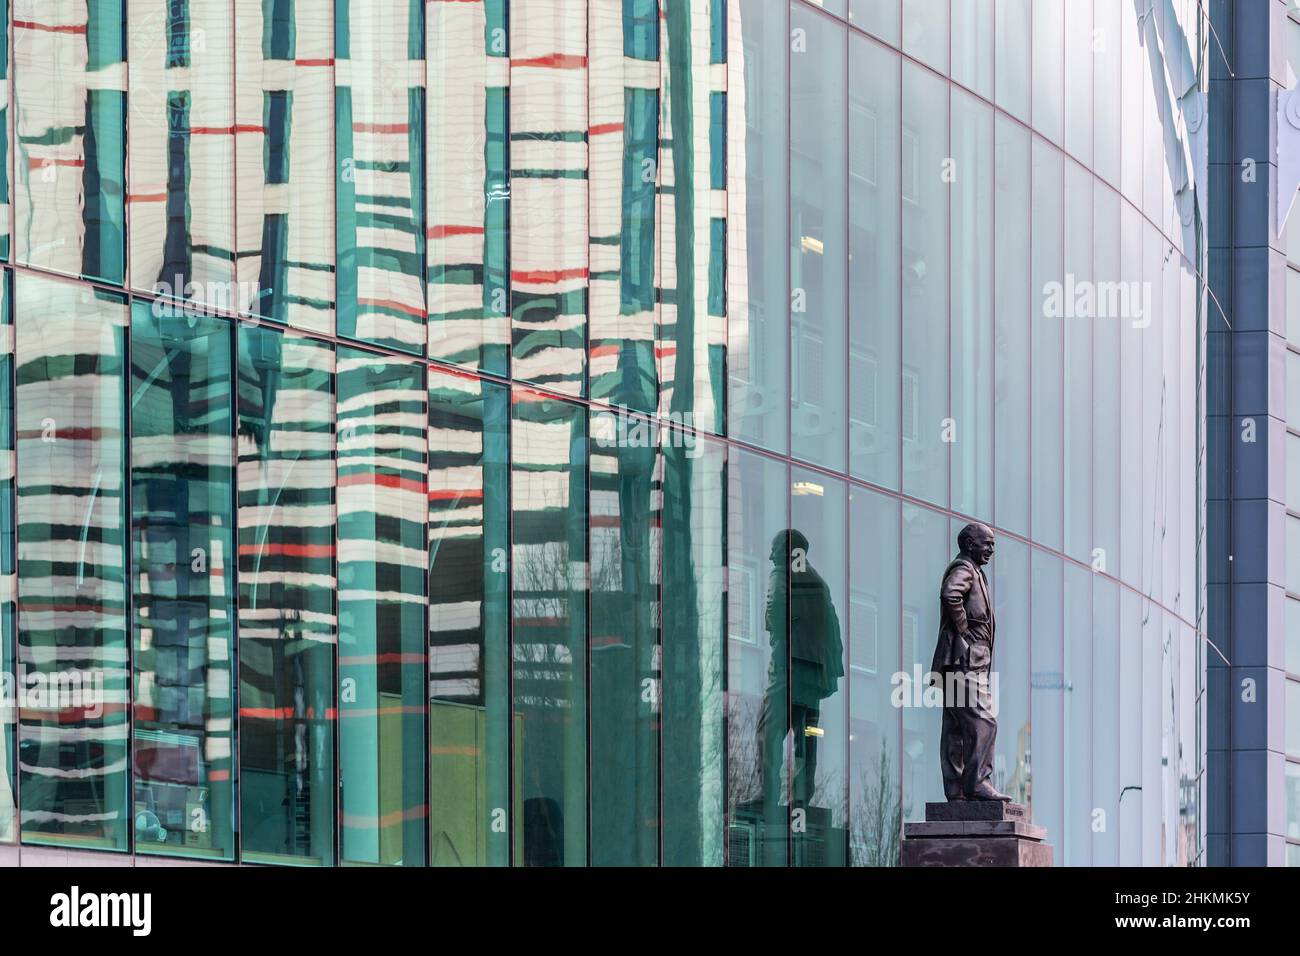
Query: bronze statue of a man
963, 658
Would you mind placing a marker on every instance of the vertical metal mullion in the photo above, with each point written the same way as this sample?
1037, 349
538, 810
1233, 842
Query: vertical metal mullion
11, 387
513, 824
236, 777
847, 553
1065, 168
585, 392
661, 461
422, 243
337, 717
898, 434
128, 577
789, 423
1029, 345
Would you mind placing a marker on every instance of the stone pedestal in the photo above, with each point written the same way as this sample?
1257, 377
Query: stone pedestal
975, 833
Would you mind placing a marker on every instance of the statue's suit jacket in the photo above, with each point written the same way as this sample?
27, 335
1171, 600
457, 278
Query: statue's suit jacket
966, 624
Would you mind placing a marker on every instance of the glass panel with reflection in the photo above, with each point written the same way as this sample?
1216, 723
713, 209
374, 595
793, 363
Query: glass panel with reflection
182, 449
379, 176
383, 564
182, 144
693, 601
283, 100
625, 648
288, 627
549, 610
469, 621
70, 362
70, 137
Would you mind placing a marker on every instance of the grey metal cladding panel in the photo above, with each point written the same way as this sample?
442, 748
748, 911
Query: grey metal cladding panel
1258, 374
1258, 541
1258, 624
1258, 290
1251, 38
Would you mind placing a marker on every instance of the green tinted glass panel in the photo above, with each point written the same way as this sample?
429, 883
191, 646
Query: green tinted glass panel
382, 566
72, 625
872, 640
182, 469
469, 622
287, 591
549, 603
693, 597
819, 699
625, 649
758, 784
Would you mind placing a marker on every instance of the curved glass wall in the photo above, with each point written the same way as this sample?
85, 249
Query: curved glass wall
546, 449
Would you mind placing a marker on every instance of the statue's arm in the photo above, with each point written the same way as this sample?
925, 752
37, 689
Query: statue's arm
953, 595
774, 614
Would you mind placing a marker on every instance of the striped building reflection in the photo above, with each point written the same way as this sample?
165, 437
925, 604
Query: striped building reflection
378, 141
469, 625
382, 562
182, 600
72, 589
70, 128
284, 89
182, 149
288, 622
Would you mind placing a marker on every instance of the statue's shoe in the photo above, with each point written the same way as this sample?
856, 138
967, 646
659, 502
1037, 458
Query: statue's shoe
986, 791
951, 797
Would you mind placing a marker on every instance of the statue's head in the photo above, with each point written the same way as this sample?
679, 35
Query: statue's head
785, 543
976, 542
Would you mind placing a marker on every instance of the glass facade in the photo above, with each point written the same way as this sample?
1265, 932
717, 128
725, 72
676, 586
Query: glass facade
576, 486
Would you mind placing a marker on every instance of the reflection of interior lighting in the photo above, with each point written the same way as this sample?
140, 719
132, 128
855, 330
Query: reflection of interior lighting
809, 244
806, 488
814, 732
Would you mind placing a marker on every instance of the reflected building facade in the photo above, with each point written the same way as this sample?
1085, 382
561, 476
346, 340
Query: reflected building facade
532, 432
